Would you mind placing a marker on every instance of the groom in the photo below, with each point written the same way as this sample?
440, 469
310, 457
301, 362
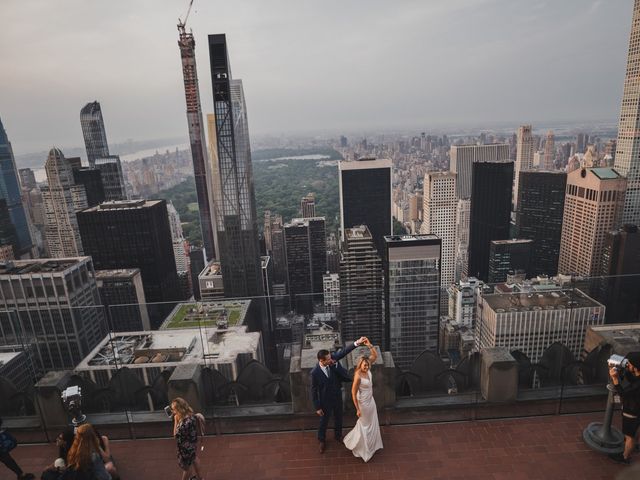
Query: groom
326, 389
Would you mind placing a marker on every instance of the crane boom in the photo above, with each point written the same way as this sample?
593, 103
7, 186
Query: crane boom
182, 24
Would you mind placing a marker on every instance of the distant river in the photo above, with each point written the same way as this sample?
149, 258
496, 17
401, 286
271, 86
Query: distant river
41, 175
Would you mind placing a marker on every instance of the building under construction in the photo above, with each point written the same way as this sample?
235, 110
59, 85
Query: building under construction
201, 169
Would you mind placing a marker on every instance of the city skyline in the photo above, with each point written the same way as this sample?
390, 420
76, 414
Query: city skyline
576, 90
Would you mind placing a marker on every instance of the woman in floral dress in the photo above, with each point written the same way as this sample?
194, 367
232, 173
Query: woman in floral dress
185, 429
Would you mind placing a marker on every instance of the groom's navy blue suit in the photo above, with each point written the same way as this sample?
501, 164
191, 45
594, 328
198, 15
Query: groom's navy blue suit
326, 392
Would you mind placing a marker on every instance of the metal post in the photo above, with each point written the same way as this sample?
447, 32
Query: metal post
602, 437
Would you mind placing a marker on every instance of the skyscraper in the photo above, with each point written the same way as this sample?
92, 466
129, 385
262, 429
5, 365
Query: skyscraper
61, 332
112, 177
507, 257
627, 157
439, 218
539, 217
365, 197
134, 234
91, 180
233, 179
490, 212
95, 137
620, 285
524, 158
308, 205
549, 152
463, 212
462, 157
122, 295
306, 250
201, 167
361, 289
27, 178
11, 193
412, 296
62, 199
593, 206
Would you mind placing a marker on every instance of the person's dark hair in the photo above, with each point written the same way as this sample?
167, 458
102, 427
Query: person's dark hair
634, 359
68, 435
322, 353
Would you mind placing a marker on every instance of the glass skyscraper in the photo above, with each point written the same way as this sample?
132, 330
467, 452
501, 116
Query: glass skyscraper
412, 296
10, 192
234, 194
95, 137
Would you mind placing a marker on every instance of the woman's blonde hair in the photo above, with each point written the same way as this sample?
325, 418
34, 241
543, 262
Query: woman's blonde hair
84, 445
182, 408
361, 360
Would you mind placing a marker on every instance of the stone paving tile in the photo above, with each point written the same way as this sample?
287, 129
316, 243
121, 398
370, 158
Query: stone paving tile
545, 448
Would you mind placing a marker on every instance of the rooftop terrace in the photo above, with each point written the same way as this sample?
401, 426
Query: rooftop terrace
545, 448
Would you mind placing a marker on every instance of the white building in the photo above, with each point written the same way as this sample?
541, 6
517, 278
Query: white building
463, 216
463, 302
439, 213
462, 157
524, 157
532, 321
331, 290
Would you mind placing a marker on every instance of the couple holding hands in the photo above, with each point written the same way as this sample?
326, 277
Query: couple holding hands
326, 393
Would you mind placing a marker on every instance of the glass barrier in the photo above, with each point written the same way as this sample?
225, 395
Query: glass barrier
245, 362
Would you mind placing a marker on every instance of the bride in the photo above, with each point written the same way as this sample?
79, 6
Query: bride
364, 440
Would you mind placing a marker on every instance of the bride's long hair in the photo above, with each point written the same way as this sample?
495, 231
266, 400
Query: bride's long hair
362, 359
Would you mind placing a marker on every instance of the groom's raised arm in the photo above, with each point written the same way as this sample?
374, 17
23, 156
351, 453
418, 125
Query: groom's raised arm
340, 354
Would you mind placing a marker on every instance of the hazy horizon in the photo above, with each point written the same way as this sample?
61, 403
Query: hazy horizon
330, 67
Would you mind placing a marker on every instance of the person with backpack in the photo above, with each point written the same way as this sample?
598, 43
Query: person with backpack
7, 443
186, 425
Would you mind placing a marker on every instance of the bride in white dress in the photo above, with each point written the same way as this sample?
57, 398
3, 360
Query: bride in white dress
364, 440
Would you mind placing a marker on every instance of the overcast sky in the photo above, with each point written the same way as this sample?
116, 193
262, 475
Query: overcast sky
311, 65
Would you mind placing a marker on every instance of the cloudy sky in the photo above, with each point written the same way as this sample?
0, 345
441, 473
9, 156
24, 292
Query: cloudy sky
307, 65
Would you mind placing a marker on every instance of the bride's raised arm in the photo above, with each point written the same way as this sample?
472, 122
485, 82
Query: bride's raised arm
373, 354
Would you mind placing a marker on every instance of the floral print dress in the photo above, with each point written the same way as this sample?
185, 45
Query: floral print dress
187, 437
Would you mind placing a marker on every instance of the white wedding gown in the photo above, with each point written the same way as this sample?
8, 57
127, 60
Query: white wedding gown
364, 440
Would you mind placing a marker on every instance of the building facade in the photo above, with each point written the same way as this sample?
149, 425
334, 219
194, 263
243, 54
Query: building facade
54, 307
531, 323
593, 206
201, 166
490, 212
95, 137
507, 257
627, 157
361, 287
439, 218
234, 194
122, 295
112, 177
412, 296
10, 192
308, 205
462, 158
62, 199
365, 197
539, 217
134, 234
524, 158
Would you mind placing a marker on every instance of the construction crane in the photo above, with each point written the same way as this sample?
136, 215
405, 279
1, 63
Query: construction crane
181, 24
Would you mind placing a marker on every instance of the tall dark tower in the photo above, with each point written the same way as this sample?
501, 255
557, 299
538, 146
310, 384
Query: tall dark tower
201, 170
491, 185
95, 137
365, 198
234, 194
539, 217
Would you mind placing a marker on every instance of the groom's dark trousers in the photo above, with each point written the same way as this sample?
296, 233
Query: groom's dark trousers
326, 392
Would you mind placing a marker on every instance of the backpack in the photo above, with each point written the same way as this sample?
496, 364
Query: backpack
7, 441
202, 424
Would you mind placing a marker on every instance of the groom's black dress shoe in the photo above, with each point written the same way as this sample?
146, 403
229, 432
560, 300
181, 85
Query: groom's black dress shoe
323, 445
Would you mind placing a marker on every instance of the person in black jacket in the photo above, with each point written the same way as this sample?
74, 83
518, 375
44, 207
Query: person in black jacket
627, 384
7, 459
